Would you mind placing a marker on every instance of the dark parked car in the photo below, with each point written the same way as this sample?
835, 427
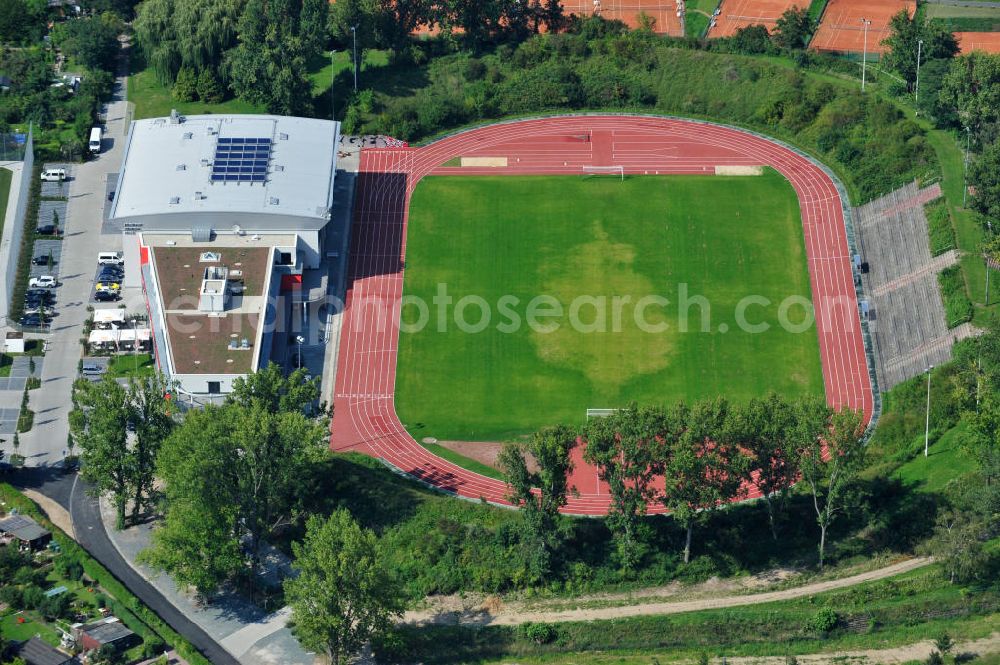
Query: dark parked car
43, 260
33, 320
40, 293
46, 230
111, 195
107, 296
111, 276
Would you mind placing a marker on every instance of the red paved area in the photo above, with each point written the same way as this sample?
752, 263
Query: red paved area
840, 29
366, 419
736, 14
978, 41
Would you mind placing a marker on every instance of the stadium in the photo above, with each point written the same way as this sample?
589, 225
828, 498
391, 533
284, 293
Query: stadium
724, 212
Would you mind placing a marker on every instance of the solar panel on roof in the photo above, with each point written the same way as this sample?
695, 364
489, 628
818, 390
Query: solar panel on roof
241, 159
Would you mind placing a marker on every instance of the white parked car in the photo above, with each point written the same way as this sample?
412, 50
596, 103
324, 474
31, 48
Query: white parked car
54, 175
42, 282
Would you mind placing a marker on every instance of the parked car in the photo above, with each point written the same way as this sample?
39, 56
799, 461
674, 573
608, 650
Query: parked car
107, 296
107, 286
46, 230
35, 301
39, 294
54, 175
107, 271
111, 195
43, 260
33, 320
43, 282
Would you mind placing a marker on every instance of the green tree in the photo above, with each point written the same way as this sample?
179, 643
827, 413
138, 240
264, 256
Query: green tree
268, 66
626, 448
957, 544
343, 595
186, 86
150, 415
550, 449
984, 176
186, 33
93, 41
793, 27
232, 476
831, 453
209, 87
764, 430
972, 88
270, 389
702, 470
904, 34
107, 462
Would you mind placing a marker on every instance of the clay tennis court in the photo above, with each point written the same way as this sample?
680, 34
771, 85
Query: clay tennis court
664, 12
736, 14
841, 30
978, 41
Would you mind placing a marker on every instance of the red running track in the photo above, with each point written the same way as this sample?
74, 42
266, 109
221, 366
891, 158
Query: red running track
366, 419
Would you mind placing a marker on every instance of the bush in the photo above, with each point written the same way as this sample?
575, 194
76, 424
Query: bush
33, 597
153, 647
823, 621
539, 633
12, 596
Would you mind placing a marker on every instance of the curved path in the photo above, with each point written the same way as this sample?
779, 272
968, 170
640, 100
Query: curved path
513, 616
366, 418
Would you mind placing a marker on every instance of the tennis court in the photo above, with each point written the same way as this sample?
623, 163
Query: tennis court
736, 14
841, 29
978, 41
664, 12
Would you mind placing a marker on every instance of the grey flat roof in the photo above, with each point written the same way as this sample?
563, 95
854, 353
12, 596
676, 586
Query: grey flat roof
168, 167
107, 632
37, 652
22, 528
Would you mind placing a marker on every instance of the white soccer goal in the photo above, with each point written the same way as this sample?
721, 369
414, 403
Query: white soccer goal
605, 170
600, 413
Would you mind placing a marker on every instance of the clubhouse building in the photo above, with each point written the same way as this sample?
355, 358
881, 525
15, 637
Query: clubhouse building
225, 218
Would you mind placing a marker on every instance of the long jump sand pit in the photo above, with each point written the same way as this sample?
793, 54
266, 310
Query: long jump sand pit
841, 29
736, 14
492, 162
739, 170
978, 41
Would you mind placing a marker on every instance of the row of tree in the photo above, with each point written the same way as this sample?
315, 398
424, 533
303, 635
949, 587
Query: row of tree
691, 460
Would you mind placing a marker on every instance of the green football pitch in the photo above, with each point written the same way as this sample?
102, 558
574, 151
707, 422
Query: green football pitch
501, 242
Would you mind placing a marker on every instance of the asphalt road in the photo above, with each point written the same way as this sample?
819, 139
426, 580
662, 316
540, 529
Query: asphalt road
70, 492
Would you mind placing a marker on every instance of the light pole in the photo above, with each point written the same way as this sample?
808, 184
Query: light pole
927, 421
298, 341
864, 56
354, 34
916, 89
965, 169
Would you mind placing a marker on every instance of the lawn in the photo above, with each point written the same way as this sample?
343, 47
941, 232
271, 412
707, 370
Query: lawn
153, 100
12, 630
945, 462
133, 364
589, 244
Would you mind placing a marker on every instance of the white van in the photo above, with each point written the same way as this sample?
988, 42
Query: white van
96, 134
54, 175
110, 259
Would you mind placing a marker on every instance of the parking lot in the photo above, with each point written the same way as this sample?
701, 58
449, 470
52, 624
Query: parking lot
20, 370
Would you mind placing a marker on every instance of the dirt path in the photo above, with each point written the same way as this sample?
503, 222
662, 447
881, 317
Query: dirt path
56, 513
902, 654
495, 612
